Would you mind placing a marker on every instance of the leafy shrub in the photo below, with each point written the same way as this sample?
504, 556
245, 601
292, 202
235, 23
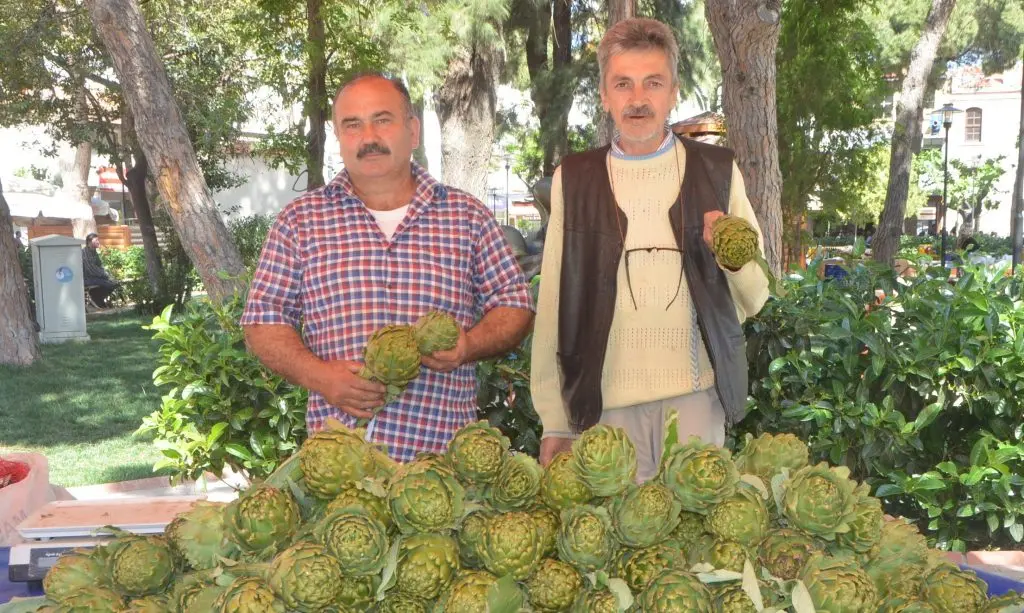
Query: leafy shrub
248, 234
919, 395
222, 408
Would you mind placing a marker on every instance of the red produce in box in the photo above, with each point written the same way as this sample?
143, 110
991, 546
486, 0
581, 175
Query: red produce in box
12, 472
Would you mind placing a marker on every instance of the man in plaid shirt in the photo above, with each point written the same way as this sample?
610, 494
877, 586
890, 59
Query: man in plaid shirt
383, 243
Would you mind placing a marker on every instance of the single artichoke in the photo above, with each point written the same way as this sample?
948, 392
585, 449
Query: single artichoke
586, 538
425, 496
596, 601
838, 585
766, 455
334, 460
517, 483
605, 459
645, 515
821, 500
199, 536
74, 570
392, 356
91, 599
638, 567
548, 523
140, 565
734, 241
435, 331
360, 499
701, 475
359, 542
512, 545
743, 517
675, 591
477, 453
248, 595
951, 590
427, 564
866, 525
397, 602
899, 561
196, 593
553, 586
562, 487
468, 593
689, 531
356, 594
262, 520
471, 539
726, 555
784, 553
305, 577
732, 599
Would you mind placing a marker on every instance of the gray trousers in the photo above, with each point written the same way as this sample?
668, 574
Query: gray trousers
700, 414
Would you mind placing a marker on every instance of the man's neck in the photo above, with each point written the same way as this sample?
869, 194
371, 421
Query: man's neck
640, 148
385, 193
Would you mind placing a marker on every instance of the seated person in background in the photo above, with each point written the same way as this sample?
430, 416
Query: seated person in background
96, 278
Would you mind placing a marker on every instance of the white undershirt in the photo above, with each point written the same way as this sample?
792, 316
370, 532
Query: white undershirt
388, 221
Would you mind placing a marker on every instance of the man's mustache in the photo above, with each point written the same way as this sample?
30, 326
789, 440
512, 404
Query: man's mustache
638, 110
369, 148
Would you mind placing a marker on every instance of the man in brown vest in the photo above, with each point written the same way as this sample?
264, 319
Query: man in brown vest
636, 319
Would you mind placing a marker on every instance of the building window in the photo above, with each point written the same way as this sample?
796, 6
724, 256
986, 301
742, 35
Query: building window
973, 126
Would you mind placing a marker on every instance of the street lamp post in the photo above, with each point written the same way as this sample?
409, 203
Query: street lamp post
947, 122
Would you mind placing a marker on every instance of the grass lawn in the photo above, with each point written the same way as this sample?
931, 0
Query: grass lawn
81, 403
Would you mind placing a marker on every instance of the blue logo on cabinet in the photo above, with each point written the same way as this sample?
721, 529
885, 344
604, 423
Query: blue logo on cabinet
64, 274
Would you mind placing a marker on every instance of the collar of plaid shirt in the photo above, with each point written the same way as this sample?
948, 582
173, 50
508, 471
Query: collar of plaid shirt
427, 188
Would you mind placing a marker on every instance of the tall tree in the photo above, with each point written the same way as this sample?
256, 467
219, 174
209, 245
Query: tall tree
746, 34
317, 105
907, 131
618, 10
19, 343
164, 138
1018, 184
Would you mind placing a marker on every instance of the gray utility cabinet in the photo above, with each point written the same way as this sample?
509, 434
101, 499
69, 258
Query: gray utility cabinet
60, 288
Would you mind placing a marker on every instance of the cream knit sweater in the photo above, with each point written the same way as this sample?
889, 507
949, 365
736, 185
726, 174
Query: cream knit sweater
653, 352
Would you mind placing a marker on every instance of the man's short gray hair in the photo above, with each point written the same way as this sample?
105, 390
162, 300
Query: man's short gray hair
638, 35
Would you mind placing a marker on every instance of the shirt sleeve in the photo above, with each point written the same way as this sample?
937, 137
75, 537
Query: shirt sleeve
748, 285
274, 296
545, 376
497, 277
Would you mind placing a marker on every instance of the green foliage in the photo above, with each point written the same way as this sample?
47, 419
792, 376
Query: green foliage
222, 408
971, 184
248, 234
918, 396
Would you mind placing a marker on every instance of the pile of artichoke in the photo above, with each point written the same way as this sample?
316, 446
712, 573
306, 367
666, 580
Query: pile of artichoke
339, 527
392, 353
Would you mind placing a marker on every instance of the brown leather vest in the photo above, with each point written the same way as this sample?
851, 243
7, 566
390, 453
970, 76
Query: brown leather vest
592, 248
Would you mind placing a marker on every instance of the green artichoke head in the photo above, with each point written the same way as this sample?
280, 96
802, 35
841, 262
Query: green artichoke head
335, 460
140, 565
586, 538
732, 599
74, 570
356, 593
596, 601
425, 496
468, 593
675, 591
435, 331
90, 599
743, 517
638, 567
899, 561
512, 545
839, 585
726, 555
605, 459
363, 500
734, 241
951, 590
562, 487
397, 602
358, 541
866, 525
689, 531
427, 564
548, 523
517, 484
645, 514
470, 536
700, 475
553, 586
262, 520
821, 500
305, 577
477, 452
766, 455
392, 355
784, 552
199, 537
248, 595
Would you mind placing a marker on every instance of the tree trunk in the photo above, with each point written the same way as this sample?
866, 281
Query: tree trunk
135, 180
74, 171
907, 131
161, 132
466, 104
746, 34
19, 343
317, 109
561, 102
1017, 206
618, 10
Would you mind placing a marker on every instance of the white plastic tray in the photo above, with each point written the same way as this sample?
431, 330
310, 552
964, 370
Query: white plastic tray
78, 518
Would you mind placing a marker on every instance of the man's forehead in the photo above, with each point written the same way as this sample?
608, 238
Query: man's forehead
369, 96
644, 63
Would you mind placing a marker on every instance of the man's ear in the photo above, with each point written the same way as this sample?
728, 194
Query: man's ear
414, 125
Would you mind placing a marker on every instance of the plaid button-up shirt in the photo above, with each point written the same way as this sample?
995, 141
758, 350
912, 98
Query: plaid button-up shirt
327, 266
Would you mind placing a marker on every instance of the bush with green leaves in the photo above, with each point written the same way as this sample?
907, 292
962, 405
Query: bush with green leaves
223, 407
919, 396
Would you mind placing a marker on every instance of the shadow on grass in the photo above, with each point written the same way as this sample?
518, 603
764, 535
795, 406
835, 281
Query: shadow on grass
130, 472
82, 392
